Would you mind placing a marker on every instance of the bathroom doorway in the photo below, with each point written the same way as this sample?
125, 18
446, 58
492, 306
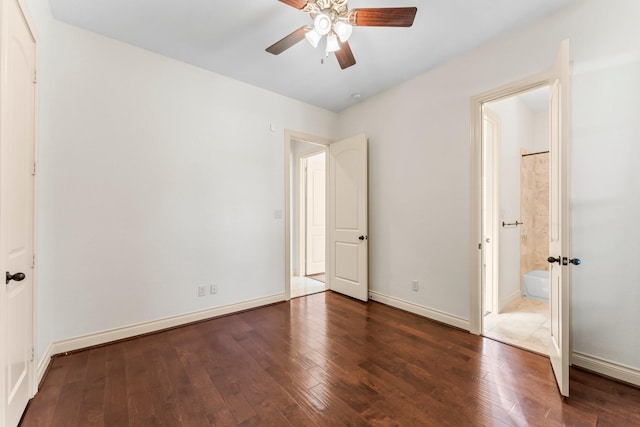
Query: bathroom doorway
515, 205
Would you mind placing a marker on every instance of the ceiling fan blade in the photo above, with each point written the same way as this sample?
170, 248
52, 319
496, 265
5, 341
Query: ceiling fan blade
345, 56
281, 45
383, 16
298, 4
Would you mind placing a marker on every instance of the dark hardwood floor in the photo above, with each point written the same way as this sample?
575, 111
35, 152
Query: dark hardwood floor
321, 360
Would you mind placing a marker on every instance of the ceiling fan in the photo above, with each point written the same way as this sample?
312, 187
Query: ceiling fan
333, 19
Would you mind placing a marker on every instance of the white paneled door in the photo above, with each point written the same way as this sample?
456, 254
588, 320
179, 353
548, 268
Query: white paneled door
559, 302
17, 141
348, 217
491, 128
315, 212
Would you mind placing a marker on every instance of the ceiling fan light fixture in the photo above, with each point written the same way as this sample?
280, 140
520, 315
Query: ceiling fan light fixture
322, 24
343, 30
313, 37
332, 43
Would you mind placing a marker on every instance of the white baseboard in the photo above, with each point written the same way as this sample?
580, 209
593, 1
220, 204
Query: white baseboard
157, 325
429, 313
605, 367
43, 364
509, 300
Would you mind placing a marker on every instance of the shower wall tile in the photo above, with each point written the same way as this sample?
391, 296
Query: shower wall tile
534, 211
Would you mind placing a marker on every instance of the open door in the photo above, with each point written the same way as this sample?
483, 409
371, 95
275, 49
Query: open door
491, 128
348, 217
315, 212
17, 187
559, 298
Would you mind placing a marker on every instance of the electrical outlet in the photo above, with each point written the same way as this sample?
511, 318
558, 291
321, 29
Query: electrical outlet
202, 291
414, 285
213, 289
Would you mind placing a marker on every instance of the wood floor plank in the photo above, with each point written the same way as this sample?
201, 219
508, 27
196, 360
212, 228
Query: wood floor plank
71, 393
115, 403
91, 413
320, 360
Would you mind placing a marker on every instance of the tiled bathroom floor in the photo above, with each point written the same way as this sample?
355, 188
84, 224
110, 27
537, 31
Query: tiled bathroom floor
524, 323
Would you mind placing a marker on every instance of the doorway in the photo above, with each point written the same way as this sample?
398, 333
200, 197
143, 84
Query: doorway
308, 231
346, 213
515, 204
558, 79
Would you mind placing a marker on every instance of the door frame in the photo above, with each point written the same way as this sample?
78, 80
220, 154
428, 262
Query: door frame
518, 87
289, 137
302, 241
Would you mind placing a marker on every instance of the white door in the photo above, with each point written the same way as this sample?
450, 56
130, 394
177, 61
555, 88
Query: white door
348, 217
558, 218
315, 210
491, 143
17, 140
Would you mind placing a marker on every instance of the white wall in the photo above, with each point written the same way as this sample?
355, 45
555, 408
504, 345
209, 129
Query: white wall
420, 162
155, 177
540, 132
517, 132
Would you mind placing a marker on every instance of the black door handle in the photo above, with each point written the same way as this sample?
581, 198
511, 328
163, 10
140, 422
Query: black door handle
18, 277
363, 237
574, 261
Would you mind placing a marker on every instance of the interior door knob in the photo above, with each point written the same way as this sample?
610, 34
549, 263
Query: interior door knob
363, 238
18, 277
575, 261
551, 260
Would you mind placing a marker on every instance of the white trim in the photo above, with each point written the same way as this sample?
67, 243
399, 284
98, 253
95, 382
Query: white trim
607, 368
43, 364
509, 300
157, 325
439, 316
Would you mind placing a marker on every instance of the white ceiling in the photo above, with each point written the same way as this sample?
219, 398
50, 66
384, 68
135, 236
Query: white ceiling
230, 37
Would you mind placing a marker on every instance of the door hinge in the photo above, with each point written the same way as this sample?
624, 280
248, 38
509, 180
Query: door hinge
34, 169
33, 353
479, 245
35, 77
33, 262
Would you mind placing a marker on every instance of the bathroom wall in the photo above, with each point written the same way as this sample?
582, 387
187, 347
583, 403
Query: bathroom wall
540, 131
534, 212
516, 122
